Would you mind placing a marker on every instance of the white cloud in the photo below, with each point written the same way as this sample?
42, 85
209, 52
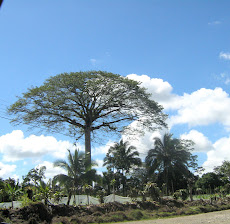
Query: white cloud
220, 153
161, 90
143, 143
15, 146
203, 107
224, 55
202, 143
7, 170
102, 150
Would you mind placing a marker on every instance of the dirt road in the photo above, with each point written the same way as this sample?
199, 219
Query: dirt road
222, 217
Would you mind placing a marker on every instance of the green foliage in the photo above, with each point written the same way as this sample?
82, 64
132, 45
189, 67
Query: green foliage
77, 173
45, 191
57, 196
136, 214
25, 201
182, 194
34, 176
171, 159
152, 191
13, 191
208, 182
223, 171
87, 102
122, 156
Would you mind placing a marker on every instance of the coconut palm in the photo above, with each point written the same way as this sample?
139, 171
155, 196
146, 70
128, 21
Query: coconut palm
77, 174
170, 158
122, 157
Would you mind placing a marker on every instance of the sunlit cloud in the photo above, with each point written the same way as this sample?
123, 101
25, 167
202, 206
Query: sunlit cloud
224, 55
15, 146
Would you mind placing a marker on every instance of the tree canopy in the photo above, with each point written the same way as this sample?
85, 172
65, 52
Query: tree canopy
87, 102
122, 156
171, 158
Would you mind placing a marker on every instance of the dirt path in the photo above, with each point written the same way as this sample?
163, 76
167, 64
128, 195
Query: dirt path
221, 217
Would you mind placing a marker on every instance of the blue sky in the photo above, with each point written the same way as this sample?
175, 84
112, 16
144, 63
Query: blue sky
178, 49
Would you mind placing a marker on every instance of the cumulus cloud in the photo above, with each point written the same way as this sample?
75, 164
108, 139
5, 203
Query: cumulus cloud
203, 107
202, 143
144, 143
224, 55
15, 146
219, 153
161, 90
102, 150
7, 170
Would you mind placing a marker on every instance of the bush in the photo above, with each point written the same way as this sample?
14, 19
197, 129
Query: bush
182, 193
136, 214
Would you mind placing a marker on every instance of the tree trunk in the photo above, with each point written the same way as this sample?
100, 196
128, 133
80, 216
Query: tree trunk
69, 197
88, 147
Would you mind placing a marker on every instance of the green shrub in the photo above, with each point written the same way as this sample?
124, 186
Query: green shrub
25, 201
136, 214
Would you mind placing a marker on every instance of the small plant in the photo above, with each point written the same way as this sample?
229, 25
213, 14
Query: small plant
136, 214
182, 193
101, 195
87, 189
133, 194
153, 191
57, 196
13, 192
25, 201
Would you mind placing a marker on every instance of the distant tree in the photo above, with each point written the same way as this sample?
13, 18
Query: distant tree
45, 191
87, 102
223, 171
139, 178
122, 156
170, 158
208, 182
34, 176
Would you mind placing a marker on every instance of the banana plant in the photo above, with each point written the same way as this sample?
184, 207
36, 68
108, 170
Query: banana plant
13, 192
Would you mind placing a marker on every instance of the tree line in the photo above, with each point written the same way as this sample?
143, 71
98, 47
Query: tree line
86, 104
164, 172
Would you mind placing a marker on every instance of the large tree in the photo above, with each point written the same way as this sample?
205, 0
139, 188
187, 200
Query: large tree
87, 102
171, 158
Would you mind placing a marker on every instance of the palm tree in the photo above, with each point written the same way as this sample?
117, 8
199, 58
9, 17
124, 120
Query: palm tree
122, 157
77, 174
170, 157
75, 168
